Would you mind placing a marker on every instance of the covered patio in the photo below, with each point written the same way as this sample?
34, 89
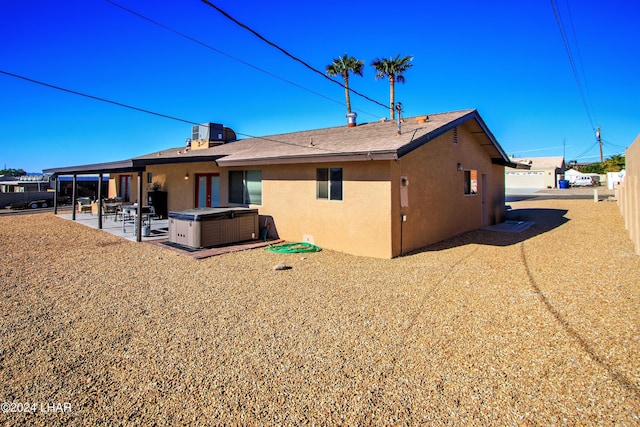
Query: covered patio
159, 236
158, 228
137, 205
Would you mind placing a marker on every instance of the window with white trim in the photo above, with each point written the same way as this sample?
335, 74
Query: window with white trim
245, 187
329, 183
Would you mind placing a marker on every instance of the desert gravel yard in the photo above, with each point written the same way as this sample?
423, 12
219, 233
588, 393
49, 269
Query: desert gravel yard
488, 328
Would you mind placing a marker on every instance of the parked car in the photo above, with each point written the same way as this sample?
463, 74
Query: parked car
586, 181
34, 204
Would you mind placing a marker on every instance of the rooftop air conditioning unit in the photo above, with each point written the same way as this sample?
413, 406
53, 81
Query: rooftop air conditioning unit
207, 132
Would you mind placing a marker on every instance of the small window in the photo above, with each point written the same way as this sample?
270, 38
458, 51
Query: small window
329, 183
245, 187
471, 182
149, 178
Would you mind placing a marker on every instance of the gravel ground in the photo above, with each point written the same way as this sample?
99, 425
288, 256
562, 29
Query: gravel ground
487, 328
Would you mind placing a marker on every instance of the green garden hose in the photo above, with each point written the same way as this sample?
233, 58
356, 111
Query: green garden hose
288, 248
293, 248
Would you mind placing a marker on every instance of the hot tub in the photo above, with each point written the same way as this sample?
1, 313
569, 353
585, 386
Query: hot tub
205, 227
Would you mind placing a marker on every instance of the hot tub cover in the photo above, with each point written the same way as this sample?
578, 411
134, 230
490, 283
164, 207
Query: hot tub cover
207, 214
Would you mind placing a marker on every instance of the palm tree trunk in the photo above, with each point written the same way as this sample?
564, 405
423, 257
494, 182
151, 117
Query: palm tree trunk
392, 97
347, 95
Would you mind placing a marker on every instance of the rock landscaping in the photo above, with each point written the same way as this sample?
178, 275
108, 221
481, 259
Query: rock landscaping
540, 327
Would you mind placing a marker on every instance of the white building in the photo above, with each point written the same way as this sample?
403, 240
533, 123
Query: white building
544, 172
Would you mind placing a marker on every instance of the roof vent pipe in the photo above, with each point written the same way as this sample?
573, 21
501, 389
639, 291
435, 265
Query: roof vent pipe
351, 118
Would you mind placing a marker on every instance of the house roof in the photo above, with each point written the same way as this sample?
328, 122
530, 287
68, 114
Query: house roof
369, 141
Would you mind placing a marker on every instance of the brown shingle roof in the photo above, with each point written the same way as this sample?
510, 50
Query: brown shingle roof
377, 140
368, 141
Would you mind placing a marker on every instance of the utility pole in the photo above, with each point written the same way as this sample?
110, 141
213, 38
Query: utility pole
599, 143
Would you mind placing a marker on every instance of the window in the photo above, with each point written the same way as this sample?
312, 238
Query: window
245, 187
149, 177
329, 183
471, 182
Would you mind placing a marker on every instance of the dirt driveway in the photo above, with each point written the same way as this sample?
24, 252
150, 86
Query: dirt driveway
488, 328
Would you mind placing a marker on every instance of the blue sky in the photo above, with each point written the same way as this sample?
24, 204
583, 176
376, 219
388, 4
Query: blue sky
506, 59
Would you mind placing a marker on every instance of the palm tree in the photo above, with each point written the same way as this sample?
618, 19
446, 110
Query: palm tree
342, 66
392, 69
615, 163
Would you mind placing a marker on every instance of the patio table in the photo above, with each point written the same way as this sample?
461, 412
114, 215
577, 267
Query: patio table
130, 211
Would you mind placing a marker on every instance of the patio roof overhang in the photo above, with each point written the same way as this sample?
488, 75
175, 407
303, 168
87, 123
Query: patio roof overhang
124, 166
96, 168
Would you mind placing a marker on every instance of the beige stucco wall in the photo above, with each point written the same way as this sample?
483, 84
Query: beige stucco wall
438, 208
358, 224
368, 221
171, 178
628, 193
181, 192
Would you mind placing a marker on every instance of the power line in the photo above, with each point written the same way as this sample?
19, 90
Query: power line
208, 46
120, 104
584, 76
295, 58
611, 144
97, 98
571, 61
587, 150
540, 149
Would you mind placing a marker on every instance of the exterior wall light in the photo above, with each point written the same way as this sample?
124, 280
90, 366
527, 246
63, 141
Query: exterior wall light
186, 176
459, 166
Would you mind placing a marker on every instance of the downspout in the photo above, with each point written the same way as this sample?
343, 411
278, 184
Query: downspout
401, 221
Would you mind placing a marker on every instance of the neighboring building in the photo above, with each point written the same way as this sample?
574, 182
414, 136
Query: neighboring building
543, 172
367, 190
614, 179
21, 184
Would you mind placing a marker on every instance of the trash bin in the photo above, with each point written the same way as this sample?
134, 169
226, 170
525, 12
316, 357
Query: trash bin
563, 183
146, 231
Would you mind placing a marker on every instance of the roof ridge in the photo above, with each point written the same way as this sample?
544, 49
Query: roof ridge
466, 111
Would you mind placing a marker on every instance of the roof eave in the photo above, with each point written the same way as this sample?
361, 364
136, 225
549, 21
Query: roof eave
325, 158
451, 125
96, 168
172, 160
509, 164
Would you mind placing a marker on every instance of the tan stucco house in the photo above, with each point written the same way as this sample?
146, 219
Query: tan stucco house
375, 189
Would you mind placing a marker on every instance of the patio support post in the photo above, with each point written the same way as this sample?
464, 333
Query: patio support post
73, 197
55, 194
139, 215
99, 201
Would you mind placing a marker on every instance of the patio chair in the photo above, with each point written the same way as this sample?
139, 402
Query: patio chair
84, 205
109, 208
